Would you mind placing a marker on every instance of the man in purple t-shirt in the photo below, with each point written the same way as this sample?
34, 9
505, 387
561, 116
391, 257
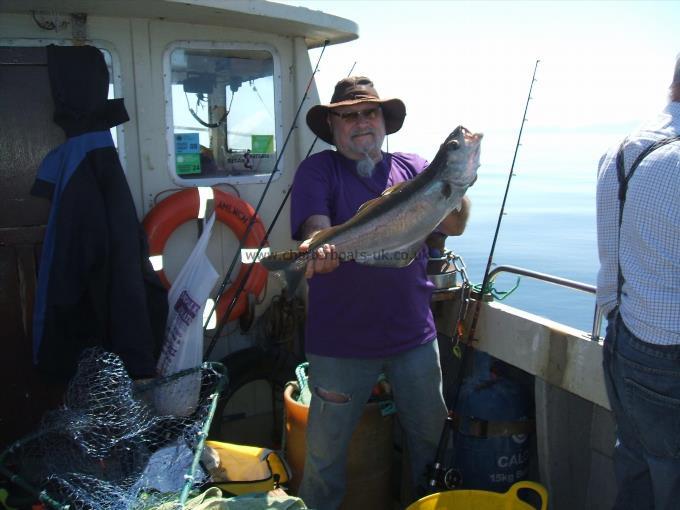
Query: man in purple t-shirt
363, 320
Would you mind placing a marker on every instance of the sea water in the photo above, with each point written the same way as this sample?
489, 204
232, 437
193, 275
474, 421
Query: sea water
549, 223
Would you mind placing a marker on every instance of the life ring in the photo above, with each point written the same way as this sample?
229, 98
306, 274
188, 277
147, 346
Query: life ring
183, 206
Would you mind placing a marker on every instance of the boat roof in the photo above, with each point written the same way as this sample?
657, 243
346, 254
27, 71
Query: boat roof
258, 15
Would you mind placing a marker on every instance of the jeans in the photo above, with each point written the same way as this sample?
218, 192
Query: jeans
643, 384
416, 380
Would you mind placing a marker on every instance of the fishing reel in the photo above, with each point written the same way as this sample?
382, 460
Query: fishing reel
442, 477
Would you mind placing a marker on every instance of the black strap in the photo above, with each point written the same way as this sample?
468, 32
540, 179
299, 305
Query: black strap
623, 190
471, 426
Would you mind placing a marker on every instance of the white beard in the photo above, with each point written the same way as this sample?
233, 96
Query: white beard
366, 166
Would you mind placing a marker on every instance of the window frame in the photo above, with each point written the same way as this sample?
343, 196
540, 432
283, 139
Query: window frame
169, 119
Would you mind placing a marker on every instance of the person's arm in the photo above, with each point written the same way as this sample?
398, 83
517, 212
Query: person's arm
325, 258
454, 223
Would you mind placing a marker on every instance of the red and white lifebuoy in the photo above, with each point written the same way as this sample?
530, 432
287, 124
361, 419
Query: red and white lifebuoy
183, 206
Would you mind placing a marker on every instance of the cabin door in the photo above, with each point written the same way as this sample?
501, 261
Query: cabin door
27, 134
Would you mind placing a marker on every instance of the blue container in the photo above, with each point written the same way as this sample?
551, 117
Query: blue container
488, 402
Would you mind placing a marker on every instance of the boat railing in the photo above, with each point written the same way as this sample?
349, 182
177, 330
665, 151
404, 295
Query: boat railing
556, 280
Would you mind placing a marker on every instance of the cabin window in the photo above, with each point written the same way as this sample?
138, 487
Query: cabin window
222, 113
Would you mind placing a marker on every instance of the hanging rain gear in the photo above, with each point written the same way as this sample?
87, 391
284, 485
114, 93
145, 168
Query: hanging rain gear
95, 283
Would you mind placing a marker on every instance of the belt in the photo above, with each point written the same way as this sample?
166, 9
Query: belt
472, 426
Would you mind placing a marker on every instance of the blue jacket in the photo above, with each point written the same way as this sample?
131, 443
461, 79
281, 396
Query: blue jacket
96, 286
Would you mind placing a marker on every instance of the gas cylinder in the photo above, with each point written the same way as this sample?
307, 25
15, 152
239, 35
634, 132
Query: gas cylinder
492, 428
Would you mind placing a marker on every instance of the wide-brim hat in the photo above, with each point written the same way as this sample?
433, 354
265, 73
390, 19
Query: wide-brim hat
355, 90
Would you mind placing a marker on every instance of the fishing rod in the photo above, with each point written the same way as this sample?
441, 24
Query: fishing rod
451, 478
243, 281
485, 279
251, 222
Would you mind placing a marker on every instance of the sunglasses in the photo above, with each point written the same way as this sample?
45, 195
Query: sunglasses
350, 117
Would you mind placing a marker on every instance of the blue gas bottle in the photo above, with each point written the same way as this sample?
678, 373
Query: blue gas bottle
493, 428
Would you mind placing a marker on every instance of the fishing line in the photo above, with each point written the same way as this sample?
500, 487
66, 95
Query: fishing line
242, 284
440, 477
223, 320
485, 279
243, 281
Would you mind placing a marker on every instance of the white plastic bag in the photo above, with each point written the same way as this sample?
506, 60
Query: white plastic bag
166, 469
183, 346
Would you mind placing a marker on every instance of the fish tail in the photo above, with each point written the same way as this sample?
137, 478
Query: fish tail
292, 263
293, 279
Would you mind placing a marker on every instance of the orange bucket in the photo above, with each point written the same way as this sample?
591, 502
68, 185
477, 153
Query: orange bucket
369, 459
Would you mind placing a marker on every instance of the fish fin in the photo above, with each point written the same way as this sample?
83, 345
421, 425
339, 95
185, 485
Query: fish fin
320, 237
394, 189
370, 204
293, 279
292, 263
395, 258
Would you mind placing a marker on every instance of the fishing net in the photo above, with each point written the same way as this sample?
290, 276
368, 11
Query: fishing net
108, 448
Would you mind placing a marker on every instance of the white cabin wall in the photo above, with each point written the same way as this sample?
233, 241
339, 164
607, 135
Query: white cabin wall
147, 156
20, 26
150, 39
304, 68
114, 34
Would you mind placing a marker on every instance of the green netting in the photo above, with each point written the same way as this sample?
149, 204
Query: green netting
108, 449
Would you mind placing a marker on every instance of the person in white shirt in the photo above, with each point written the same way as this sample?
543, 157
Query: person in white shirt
638, 288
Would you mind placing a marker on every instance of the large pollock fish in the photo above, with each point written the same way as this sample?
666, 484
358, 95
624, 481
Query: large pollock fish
389, 231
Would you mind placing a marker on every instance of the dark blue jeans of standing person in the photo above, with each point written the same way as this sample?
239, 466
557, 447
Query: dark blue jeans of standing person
643, 383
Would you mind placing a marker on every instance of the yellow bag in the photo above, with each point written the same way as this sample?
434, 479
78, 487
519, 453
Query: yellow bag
247, 469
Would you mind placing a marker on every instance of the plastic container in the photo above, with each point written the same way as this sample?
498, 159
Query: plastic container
369, 462
482, 500
442, 272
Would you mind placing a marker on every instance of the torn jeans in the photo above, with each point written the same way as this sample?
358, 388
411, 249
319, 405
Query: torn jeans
346, 384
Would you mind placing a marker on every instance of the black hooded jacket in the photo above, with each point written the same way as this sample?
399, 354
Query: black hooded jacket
96, 286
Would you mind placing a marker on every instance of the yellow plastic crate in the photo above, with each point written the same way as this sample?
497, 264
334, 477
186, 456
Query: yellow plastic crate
482, 500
